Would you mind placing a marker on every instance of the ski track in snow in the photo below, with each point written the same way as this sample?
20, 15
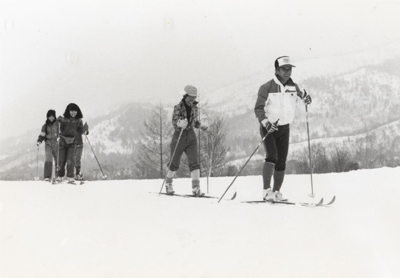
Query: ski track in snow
123, 229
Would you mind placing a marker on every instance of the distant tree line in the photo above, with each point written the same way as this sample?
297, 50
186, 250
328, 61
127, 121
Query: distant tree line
367, 155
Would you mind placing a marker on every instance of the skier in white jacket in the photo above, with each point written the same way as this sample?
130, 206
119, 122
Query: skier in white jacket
275, 110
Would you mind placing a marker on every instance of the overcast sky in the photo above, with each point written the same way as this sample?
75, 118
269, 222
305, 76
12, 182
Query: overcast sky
97, 53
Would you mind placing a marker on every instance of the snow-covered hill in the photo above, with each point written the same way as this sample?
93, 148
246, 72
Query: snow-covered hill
349, 110
125, 229
350, 103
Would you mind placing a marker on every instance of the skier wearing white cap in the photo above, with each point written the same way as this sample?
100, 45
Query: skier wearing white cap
275, 110
184, 119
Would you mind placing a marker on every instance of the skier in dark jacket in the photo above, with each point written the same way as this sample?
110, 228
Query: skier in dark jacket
70, 126
49, 133
275, 110
185, 119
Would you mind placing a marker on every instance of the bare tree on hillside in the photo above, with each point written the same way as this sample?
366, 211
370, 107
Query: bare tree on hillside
154, 146
213, 147
320, 160
367, 151
341, 160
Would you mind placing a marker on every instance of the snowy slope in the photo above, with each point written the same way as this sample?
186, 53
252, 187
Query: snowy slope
120, 229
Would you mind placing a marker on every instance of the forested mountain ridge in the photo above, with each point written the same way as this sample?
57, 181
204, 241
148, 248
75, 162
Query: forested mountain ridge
351, 110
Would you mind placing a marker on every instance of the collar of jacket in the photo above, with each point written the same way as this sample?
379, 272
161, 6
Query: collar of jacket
184, 111
280, 85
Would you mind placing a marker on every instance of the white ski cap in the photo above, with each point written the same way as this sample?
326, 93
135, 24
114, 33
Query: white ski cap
283, 61
190, 90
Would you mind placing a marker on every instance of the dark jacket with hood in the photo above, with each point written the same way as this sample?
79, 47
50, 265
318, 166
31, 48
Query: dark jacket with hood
69, 126
49, 129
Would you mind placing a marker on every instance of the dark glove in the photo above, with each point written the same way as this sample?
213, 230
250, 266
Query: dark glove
39, 140
204, 128
85, 129
270, 127
307, 98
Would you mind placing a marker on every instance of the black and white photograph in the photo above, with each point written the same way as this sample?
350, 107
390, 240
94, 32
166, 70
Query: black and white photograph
199, 138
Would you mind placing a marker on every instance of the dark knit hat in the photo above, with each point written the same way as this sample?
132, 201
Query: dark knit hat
51, 113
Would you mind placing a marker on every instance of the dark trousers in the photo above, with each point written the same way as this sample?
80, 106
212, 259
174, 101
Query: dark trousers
50, 151
276, 146
78, 157
188, 145
67, 157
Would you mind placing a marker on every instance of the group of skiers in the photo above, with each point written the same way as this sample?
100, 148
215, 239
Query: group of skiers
63, 143
275, 110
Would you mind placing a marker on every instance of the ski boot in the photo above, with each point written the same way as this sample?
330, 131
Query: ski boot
197, 192
169, 187
279, 197
196, 189
268, 195
71, 180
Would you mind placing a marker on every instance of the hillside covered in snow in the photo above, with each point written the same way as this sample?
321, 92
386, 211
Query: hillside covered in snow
356, 112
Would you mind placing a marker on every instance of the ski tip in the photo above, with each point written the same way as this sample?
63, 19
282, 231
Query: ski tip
332, 201
320, 202
234, 196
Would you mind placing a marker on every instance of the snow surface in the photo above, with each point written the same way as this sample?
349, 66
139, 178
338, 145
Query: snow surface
125, 229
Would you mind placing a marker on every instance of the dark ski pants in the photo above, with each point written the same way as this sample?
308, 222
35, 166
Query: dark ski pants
67, 157
78, 157
276, 146
50, 151
188, 145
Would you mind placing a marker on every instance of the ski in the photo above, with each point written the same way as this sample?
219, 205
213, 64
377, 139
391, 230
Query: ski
57, 181
75, 182
187, 195
331, 202
80, 179
320, 203
63, 181
270, 202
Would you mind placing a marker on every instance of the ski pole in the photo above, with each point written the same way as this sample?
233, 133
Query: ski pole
309, 155
84, 153
262, 140
37, 164
199, 116
172, 157
104, 176
58, 153
210, 162
83, 161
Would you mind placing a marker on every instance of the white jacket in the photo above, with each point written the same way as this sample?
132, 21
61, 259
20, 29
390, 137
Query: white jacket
276, 101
